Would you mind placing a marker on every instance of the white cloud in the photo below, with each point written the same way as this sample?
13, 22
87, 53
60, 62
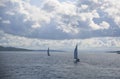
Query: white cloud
110, 7
67, 8
104, 25
113, 9
6, 21
93, 25
36, 25
95, 1
68, 17
16, 41
84, 7
10, 13
88, 16
50, 5
32, 13
59, 11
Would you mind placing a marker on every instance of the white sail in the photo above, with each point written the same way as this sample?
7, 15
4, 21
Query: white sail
76, 53
48, 52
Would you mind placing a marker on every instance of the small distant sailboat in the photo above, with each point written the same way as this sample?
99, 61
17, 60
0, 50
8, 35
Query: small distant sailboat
48, 52
76, 55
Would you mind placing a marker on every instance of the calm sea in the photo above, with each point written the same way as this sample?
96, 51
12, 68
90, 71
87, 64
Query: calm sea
37, 65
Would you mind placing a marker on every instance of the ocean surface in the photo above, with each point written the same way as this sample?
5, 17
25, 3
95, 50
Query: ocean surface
60, 65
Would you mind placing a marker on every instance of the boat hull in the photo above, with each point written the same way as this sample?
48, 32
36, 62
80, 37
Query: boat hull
77, 60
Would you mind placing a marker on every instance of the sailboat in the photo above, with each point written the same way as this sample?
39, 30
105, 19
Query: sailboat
48, 53
76, 54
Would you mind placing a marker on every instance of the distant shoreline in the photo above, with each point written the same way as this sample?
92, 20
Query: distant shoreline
118, 52
2, 48
22, 49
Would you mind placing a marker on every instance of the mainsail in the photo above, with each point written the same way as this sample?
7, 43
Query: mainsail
76, 53
48, 52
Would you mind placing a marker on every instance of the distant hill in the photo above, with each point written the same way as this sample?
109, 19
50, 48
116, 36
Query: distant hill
118, 52
22, 49
12, 49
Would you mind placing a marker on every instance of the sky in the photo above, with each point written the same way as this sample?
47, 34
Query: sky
60, 24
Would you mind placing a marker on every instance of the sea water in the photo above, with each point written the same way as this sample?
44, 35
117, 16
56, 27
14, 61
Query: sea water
60, 65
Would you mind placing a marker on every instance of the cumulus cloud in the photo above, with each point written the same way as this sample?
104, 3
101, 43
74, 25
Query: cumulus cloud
10, 13
23, 42
112, 8
6, 21
62, 12
61, 19
32, 13
104, 25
